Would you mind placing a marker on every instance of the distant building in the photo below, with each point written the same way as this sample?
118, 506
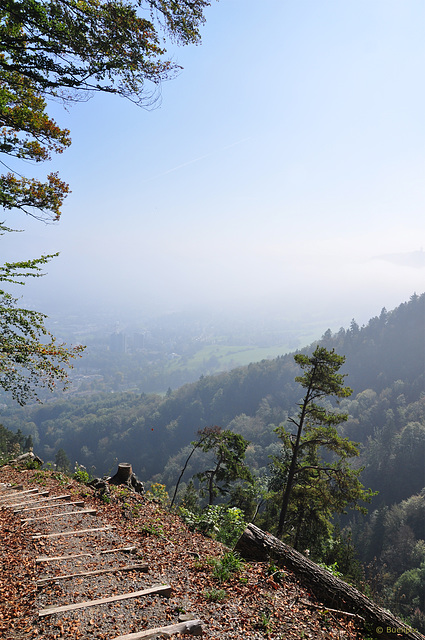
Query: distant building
117, 342
139, 341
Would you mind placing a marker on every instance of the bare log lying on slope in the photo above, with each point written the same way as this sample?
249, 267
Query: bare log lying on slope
255, 544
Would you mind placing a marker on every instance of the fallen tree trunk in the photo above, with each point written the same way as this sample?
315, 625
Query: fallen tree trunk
255, 544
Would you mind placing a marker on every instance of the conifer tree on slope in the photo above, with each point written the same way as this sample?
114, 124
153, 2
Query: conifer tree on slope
316, 430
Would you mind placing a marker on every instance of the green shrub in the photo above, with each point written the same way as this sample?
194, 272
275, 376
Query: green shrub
264, 622
215, 595
153, 527
227, 566
217, 521
158, 493
332, 568
81, 474
39, 477
33, 464
61, 478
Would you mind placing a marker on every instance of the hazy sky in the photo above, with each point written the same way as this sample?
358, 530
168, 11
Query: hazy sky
285, 163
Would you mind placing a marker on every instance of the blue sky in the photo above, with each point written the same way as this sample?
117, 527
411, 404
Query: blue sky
284, 166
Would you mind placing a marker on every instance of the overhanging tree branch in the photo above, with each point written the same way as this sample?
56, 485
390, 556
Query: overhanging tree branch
30, 355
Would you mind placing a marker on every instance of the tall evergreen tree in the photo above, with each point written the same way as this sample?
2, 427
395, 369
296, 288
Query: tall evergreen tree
322, 487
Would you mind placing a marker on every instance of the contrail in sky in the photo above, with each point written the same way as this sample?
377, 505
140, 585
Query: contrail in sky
185, 164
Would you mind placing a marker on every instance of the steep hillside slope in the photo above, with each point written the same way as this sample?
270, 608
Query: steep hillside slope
249, 605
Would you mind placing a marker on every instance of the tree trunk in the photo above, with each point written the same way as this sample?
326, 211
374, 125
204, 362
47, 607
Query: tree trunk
292, 468
255, 544
182, 472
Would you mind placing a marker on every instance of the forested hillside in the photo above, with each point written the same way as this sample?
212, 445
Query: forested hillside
385, 367
386, 414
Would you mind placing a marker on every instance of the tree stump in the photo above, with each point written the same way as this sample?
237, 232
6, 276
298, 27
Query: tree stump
24, 458
255, 544
123, 474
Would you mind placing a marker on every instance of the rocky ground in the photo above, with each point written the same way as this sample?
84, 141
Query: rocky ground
252, 604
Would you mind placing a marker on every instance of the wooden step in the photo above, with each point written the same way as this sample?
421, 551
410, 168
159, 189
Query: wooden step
39, 536
194, 627
85, 555
10, 501
95, 572
38, 507
162, 590
59, 515
12, 495
8, 487
29, 502
42, 501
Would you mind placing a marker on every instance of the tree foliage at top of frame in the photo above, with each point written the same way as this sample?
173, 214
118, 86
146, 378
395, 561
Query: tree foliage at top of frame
64, 46
69, 49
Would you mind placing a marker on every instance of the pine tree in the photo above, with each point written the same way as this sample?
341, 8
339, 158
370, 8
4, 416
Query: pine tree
321, 487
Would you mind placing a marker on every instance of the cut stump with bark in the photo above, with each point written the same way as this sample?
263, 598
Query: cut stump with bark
123, 474
255, 544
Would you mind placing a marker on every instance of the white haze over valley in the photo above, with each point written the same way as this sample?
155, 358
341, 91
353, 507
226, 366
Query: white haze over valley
281, 175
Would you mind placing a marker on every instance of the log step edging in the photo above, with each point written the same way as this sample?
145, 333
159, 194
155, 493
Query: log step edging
40, 536
38, 507
9, 487
9, 495
46, 516
194, 627
7, 505
162, 590
20, 505
85, 555
96, 572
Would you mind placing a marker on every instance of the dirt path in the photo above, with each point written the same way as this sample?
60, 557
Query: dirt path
89, 577
59, 553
